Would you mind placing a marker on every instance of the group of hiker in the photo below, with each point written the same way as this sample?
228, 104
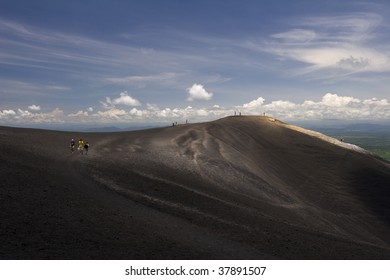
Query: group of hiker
82, 146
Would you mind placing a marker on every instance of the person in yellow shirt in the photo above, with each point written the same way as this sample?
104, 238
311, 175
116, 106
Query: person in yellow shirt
81, 146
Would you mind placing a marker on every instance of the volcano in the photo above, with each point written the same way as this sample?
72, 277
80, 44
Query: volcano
243, 187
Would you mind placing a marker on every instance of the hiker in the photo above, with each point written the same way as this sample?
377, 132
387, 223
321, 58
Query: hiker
72, 144
86, 147
81, 146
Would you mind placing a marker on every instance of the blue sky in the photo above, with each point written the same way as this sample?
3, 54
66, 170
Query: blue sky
150, 61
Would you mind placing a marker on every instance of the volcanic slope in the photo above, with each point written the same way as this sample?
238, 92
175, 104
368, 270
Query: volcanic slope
236, 188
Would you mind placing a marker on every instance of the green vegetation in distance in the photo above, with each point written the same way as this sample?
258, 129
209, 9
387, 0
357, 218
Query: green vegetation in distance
376, 141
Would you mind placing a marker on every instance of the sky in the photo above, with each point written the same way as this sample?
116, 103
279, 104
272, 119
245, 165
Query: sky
149, 61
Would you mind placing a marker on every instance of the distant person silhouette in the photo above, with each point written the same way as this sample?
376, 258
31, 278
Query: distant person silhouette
72, 144
86, 147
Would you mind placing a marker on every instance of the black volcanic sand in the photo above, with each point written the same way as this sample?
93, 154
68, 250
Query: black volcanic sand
236, 188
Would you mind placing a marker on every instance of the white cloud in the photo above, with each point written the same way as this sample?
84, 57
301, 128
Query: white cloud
136, 112
34, 107
152, 107
330, 106
254, 103
126, 99
24, 116
79, 114
376, 102
55, 116
7, 113
281, 105
123, 99
344, 43
18, 87
197, 92
112, 113
24, 113
354, 23
202, 112
330, 99
143, 80
296, 35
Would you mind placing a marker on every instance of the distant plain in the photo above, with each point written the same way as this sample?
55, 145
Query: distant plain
374, 138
